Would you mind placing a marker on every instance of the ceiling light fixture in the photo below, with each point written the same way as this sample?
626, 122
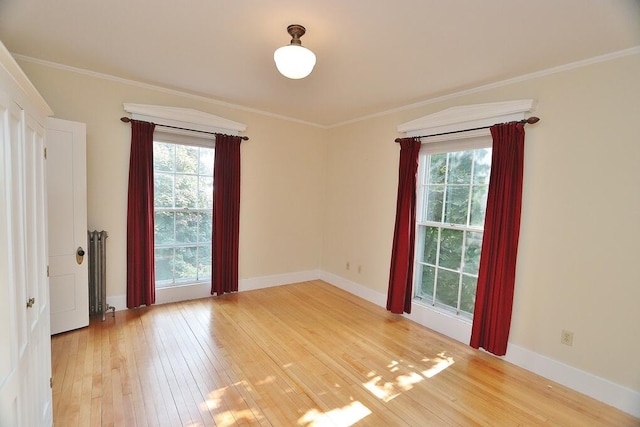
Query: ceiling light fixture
294, 61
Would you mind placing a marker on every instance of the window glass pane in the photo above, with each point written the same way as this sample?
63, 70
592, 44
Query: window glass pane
447, 252
468, 296
205, 221
482, 166
460, 167
183, 199
478, 205
164, 265
162, 190
435, 195
204, 262
186, 227
164, 228
450, 248
426, 275
447, 288
457, 205
429, 235
205, 193
186, 159
163, 156
206, 162
186, 264
186, 191
472, 252
437, 168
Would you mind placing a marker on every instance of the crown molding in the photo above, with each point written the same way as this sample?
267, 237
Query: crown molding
525, 77
429, 101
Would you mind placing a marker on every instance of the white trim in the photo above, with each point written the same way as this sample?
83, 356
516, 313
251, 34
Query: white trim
354, 288
253, 283
184, 118
601, 389
606, 391
525, 77
161, 89
203, 290
467, 117
27, 92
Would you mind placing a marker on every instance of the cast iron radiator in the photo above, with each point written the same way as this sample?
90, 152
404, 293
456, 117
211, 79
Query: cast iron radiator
98, 274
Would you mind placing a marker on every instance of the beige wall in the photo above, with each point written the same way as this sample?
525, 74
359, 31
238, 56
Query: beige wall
282, 173
315, 198
578, 266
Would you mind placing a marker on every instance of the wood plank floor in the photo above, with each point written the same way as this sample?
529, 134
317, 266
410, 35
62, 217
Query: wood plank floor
306, 354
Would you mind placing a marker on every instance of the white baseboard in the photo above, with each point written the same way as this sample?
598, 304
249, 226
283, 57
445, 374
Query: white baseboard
277, 280
354, 288
601, 389
117, 301
183, 293
613, 394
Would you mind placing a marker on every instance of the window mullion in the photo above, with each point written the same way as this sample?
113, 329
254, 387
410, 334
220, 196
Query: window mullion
462, 255
436, 268
473, 163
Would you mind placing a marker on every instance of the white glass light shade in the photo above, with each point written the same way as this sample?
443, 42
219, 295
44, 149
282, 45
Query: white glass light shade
294, 62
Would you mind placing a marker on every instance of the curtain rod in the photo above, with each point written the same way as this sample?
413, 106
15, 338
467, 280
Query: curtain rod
244, 138
530, 120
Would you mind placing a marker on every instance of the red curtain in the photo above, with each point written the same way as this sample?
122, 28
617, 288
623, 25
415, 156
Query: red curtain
141, 288
226, 214
496, 276
401, 272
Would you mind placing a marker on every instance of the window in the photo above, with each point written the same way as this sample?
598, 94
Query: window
452, 195
183, 202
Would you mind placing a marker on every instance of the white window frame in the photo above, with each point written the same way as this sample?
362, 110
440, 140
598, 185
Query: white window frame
466, 144
452, 120
182, 140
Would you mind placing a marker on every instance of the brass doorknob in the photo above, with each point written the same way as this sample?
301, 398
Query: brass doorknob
79, 255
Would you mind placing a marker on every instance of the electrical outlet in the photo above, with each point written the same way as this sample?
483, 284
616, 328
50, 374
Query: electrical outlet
566, 338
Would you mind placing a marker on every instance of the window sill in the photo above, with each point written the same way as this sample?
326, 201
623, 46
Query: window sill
449, 313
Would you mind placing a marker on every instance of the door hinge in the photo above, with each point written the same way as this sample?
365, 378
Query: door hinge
45, 153
51, 382
47, 271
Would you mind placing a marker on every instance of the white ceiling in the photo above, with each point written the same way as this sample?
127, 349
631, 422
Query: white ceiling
373, 56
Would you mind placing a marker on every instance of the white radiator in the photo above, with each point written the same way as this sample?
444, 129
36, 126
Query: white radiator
98, 274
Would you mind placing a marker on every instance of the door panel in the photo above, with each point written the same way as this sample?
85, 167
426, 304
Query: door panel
67, 206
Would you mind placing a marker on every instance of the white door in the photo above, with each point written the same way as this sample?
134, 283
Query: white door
25, 350
67, 205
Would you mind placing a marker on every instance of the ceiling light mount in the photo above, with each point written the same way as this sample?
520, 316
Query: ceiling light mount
296, 31
295, 61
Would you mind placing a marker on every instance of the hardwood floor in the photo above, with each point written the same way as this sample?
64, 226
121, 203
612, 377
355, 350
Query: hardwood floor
306, 354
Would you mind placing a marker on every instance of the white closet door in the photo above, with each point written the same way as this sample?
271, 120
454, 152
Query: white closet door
25, 353
67, 207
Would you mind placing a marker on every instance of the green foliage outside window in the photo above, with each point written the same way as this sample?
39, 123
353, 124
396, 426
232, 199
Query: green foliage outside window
453, 190
183, 201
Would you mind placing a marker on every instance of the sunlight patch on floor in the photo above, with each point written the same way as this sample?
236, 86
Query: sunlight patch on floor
231, 417
440, 363
214, 399
384, 391
388, 390
346, 416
